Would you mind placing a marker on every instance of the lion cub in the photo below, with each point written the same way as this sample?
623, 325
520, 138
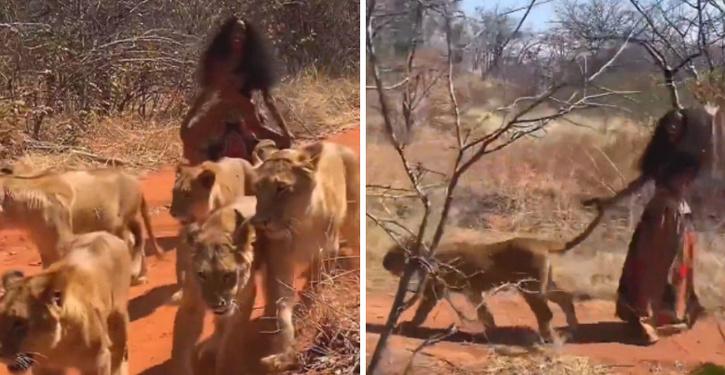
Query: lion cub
54, 206
474, 268
221, 265
72, 314
201, 189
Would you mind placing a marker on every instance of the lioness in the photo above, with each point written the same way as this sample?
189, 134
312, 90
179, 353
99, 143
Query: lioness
72, 314
199, 190
474, 268
305, 198
221, 258
53, 207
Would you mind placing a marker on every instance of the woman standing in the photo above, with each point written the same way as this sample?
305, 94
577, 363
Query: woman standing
656, 287
224, 120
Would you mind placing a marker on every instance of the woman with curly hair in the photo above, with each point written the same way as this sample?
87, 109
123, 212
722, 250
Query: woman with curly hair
224, 120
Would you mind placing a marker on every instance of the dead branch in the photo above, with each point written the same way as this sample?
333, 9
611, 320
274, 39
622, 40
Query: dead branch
396, 309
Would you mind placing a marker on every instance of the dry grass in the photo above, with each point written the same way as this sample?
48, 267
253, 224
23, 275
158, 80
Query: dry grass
564, 365
316, 105
330, 328
523, 363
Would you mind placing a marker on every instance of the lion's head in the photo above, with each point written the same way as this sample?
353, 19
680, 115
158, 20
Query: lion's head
222, 253
190, 194
30, 318
284, 186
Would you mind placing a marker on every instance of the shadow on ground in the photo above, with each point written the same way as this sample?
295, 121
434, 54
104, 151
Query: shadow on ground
145, 304
590, 333
165, 243
255, 343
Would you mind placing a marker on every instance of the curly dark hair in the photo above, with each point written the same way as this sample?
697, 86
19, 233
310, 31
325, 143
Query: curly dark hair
258, 67
695, 133
680, 164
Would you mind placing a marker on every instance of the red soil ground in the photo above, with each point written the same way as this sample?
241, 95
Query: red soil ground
601, 337
151, 320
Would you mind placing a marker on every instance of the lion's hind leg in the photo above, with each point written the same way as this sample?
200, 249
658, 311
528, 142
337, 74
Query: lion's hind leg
535, 297
565, 301
484, 314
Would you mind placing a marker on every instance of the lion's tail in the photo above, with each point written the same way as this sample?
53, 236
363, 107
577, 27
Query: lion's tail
583, 235
147, 224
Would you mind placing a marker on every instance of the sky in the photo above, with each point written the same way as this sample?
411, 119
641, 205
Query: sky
539, 18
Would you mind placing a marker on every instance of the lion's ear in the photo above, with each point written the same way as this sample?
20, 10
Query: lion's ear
206, 178
312, 153
11, 277
263, 150
46, 290
244, 232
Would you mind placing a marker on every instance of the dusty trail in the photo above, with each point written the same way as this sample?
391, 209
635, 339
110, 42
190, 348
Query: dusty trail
151, 321
601, 337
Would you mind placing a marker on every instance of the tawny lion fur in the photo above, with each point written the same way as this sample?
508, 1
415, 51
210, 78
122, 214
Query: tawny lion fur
201, 189
71, 314
220, 278
306, 198
475, 268
53, 206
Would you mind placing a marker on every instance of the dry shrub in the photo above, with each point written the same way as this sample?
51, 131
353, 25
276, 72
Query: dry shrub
12, 122
329, 331
11, 141
316, 104
311, 101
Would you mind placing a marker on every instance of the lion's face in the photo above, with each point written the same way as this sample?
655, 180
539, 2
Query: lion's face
395, 261
284, 186
29, 319
190, 195
222, 261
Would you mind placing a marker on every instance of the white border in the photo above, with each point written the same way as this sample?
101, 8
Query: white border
363, 158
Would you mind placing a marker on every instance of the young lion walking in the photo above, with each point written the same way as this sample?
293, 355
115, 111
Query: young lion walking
474, 268
72, 314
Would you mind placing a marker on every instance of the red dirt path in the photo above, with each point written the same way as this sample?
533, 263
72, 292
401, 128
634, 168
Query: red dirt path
151, 321
600, 337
